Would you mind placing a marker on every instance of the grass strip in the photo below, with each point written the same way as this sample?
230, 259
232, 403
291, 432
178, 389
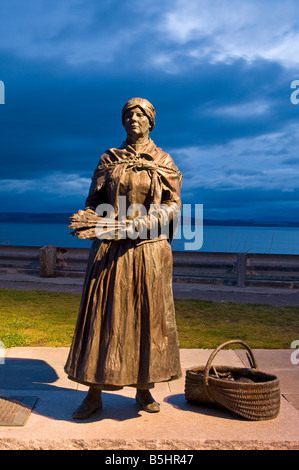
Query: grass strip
37, 318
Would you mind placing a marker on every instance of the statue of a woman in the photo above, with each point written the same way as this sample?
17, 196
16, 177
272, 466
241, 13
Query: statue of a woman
126, 332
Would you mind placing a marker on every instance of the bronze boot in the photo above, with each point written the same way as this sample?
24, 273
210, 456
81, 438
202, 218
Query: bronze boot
146, 401
91, 403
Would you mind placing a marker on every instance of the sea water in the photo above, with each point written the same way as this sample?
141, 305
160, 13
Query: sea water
230, 239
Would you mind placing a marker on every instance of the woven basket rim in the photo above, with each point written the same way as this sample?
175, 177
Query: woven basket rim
241, 372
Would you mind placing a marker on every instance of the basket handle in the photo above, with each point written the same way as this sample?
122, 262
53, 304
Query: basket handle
252, 360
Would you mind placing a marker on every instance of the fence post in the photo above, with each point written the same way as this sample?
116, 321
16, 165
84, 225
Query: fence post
241, 269
47, 261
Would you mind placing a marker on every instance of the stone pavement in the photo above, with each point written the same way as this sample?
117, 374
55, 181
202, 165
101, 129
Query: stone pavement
180, 425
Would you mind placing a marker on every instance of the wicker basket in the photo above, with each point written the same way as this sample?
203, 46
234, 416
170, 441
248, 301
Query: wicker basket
249, 393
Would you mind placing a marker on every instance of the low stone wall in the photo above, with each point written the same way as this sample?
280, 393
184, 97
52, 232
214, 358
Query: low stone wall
238, 269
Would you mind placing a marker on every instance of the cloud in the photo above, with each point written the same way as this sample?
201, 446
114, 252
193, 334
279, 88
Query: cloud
218, 73
59, 184
262, 162
243, 110
83, 31
55, 192
76, 32
223, 31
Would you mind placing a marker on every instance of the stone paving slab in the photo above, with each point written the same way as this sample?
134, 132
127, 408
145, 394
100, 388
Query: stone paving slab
279, 362
121, 425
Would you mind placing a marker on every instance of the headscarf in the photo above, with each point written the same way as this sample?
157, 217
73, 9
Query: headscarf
146, 107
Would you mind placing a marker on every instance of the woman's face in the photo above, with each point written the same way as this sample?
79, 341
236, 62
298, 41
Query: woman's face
136, 123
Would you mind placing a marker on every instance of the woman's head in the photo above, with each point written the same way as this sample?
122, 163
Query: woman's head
145, 106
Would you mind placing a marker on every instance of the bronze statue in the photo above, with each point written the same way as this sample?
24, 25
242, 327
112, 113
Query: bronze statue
126, 332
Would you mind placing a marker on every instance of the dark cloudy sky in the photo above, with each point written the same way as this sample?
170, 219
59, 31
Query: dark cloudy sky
218, 72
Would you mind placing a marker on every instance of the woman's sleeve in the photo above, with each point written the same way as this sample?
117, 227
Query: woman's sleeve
171, 187
97, 190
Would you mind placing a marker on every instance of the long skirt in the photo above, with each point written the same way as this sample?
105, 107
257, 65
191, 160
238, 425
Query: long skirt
126, 332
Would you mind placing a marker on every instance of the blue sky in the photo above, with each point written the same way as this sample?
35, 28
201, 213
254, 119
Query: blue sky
219, 74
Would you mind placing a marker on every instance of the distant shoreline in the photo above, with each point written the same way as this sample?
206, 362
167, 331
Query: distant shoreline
57, 218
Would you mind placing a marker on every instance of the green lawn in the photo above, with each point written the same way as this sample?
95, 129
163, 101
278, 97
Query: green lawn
34, 318
208, 324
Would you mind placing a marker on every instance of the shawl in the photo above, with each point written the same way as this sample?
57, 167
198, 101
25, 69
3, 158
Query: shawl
154, 160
